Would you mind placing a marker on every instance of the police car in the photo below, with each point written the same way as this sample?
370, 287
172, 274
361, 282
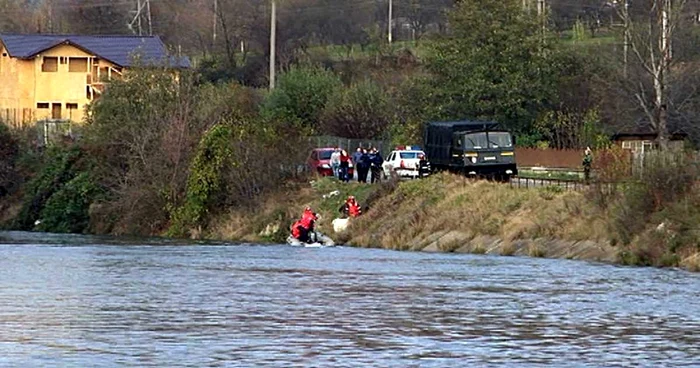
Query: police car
405, 161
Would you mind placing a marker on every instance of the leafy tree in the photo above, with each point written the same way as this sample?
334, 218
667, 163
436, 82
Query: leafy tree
361, 111
494, 65
9, 153
301, 96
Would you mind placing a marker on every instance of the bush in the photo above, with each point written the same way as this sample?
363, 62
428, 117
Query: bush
9, 154
301, 96
62, 191
361, 111
66, 211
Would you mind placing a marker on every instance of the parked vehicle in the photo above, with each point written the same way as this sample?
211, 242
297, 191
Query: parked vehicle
405, 162
471, 148
319, 161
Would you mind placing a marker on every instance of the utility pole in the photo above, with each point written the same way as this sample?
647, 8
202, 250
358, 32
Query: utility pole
542, 15
138, 14
216, 14
273, 35
627, 36
150, 21
391, 9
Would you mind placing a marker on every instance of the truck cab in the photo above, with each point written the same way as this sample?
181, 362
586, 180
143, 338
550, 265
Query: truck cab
472, 148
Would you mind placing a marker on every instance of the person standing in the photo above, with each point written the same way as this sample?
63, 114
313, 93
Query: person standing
587, 164
344, 166
355, 159
376, 161
335, 161
363, 167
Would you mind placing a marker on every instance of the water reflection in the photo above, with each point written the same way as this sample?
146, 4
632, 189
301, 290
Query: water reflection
172, 305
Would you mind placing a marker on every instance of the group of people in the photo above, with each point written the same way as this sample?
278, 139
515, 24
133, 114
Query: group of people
304, 230
365, 161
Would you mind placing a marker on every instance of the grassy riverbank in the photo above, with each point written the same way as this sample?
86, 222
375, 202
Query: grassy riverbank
449, 213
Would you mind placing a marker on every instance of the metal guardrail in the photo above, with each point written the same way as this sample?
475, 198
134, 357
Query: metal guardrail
526, 183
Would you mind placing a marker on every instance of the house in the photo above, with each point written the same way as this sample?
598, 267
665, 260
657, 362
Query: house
56, 76
641, 137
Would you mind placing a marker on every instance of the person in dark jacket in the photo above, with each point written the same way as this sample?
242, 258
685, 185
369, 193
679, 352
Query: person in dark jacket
362, 166
376, 161
423, 166
355, 159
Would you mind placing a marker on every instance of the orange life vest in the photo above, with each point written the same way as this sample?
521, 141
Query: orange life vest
354, 209
307, 220
296, 232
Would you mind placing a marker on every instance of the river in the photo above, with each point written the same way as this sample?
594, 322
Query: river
73, 301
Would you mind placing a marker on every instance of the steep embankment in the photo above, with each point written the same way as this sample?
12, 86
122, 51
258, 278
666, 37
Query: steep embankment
448, 213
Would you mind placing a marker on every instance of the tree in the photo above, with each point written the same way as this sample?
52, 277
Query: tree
650, 41
89, 17
361, 111
494, 65
301, 96
422, 13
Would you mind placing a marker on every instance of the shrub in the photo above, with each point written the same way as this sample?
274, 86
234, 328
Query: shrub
58, 197
301, 96
66, 211
361, 111
9, 153
204, 182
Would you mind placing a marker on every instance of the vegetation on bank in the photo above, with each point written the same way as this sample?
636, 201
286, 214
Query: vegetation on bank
450, 211
207, 154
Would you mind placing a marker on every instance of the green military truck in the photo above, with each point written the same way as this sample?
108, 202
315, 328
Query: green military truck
475, 148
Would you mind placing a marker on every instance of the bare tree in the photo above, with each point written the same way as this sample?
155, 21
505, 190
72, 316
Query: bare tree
650, 42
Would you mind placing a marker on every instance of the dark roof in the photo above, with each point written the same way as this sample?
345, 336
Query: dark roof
644, 128
464, 125
121, 50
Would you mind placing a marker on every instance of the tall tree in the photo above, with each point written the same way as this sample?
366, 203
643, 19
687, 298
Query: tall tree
493, 65
651, 44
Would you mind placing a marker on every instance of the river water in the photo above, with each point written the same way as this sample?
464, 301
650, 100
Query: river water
69, 301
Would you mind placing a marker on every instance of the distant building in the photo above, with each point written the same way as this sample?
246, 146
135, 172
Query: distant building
642, 137
56, 76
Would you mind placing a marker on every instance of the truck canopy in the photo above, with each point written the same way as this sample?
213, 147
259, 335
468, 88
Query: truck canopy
438, 136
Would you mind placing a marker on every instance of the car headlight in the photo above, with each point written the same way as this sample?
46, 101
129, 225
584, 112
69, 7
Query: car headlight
473, 160
325, 166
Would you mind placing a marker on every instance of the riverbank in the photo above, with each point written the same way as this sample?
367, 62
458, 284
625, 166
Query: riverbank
448, 213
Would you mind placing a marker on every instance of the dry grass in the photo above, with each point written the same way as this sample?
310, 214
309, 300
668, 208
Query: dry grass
692, 262
508, 249
412, 214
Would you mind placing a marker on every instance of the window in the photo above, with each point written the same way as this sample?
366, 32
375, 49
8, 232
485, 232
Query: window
78, 65
500, 139
56, 111
627, 144
407, 155
63, 60
71, 108
50, 64
42, 105
475, 141
325, 155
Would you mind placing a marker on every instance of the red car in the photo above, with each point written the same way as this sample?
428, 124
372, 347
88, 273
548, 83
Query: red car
320, 162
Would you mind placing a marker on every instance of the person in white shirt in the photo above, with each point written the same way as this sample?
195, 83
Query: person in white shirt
335, 161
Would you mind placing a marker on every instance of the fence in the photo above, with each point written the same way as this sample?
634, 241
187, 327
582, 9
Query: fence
49, 131
17, 118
